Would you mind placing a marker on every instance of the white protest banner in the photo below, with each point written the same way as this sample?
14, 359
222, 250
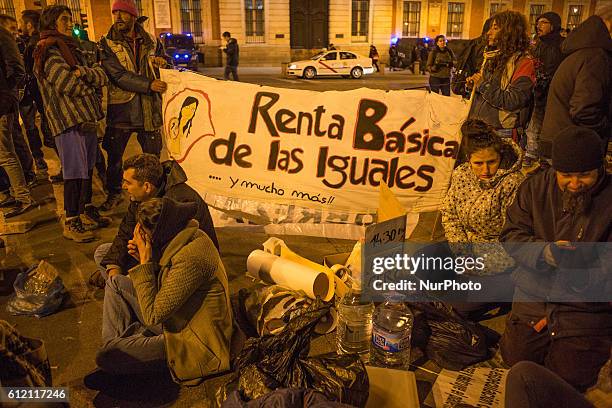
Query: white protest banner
293, 156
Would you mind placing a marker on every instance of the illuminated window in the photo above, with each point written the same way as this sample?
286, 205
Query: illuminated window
535, 11
454, 26
412, 19
574, 16
7, 7
360, 17
254, 21
191, 19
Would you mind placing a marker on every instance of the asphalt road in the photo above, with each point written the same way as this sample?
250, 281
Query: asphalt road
391, 80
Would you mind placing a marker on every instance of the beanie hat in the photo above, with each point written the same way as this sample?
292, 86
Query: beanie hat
554, 18
129, 6
577, 149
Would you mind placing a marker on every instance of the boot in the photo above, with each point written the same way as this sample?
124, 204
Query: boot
74, 230
92, 219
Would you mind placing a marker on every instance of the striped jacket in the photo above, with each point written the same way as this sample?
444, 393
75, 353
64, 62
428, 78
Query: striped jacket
70, 100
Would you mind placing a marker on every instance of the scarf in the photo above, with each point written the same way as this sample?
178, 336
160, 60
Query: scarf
66, 45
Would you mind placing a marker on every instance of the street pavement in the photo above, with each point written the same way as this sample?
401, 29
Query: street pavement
73, 334
271, 76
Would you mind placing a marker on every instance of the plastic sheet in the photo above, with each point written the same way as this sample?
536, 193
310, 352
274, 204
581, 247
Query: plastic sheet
38, 292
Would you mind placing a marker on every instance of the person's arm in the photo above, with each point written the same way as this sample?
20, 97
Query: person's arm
63, 78
124, 79
15, 71
95, 76
117, 255
188, 272
430, 61
453, 228
518, 234
590, 89
518, 93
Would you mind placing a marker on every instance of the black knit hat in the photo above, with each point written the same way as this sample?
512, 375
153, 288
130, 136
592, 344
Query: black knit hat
554, 18
577, 149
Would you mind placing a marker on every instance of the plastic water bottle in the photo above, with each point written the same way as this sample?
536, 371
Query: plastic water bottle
354, 330
391, 332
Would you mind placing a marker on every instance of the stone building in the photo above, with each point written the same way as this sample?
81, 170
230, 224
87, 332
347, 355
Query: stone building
274, 31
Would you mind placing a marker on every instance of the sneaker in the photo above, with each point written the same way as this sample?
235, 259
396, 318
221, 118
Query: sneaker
19, 209
112, 201
92, 219
74, 230
8, 202
41, 164
58, 178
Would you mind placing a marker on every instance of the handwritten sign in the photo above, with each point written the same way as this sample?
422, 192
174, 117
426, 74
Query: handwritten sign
306, 151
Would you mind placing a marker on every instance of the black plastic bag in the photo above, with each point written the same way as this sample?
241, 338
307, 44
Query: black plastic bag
282, 361
451, 341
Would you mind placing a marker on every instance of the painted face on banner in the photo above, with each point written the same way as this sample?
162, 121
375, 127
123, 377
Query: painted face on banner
190, 121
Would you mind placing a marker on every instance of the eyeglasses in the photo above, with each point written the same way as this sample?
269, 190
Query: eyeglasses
542, 22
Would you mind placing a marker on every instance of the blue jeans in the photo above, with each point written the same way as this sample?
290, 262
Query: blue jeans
129, 346
99, 255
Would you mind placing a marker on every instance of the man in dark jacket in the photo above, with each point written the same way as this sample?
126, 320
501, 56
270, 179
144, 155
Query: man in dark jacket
548, 56
131, 58
144, 178
580, 90
551, 229
231, 51
12, 74
32, 100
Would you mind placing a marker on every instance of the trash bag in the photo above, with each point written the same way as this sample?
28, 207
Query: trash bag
38, 292
451, 341
281, 361
267, 309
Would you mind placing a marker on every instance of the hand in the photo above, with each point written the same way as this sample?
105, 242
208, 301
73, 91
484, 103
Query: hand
475, 79
113, 272
133, 249
143, 244
159, 86
158, 62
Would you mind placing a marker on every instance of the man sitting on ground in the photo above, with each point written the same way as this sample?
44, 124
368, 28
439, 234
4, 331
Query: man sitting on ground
144, 178
555, 213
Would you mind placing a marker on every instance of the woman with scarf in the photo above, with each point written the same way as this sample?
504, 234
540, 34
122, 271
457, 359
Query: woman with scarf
503, 89
173, 310
474, 209
439, 65
72, 97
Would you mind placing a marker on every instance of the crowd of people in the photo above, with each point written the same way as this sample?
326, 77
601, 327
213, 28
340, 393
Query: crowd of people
548, 103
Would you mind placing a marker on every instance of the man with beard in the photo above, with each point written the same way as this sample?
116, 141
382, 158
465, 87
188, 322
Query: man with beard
554, 321
131, 58
547, 53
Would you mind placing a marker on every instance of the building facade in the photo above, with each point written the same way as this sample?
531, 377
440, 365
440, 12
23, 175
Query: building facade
274, 31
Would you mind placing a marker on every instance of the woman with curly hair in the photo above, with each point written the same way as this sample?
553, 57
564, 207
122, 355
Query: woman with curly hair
503, 88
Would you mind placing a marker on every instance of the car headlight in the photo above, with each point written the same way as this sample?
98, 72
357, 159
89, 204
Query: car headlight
292, 66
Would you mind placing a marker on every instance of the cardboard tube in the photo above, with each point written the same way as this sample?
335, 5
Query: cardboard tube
275, 270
